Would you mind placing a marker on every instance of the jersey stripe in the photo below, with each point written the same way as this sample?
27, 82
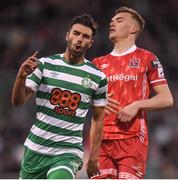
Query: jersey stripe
51, 143
57, 130
64, 93
52, 150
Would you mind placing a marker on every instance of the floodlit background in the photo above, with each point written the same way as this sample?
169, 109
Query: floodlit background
30, 25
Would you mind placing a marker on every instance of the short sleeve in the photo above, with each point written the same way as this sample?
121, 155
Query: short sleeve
155, 71
99, 96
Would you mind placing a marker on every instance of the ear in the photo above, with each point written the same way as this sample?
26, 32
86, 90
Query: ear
92, 41
134, 30
67, 36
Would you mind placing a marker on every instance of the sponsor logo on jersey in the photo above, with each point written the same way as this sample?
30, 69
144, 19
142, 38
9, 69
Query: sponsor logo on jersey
134, 63
75, 165
86, 82
104, 66
64, 101
123, 77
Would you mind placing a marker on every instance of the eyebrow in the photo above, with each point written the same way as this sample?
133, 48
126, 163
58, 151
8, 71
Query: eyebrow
118, 18
82, 33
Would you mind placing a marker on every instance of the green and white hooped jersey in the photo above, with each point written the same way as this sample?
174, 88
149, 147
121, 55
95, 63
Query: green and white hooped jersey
64, 93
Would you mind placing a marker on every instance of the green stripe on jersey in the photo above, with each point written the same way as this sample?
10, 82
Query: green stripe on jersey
34, 78
100, 96
57, 130
67, 85
72, 71
103, 83
50, 112
63, 93
49, 143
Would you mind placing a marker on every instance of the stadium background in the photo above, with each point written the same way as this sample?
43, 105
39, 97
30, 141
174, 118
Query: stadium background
27, 26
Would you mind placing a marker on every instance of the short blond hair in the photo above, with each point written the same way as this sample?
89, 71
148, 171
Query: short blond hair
134, 14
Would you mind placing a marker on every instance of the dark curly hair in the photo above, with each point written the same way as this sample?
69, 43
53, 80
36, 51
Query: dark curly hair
86, 20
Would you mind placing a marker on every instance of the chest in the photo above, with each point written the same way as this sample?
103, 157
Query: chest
124, 69
68, 82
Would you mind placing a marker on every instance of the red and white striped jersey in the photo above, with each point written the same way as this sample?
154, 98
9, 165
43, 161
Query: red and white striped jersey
130, 77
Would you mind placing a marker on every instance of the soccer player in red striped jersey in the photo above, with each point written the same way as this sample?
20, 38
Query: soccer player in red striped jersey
132, 72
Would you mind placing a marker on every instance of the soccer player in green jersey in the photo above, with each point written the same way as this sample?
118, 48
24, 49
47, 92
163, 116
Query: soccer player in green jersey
66, 85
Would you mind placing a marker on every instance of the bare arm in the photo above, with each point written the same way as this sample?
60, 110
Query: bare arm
163, 99
21, 93
96, 135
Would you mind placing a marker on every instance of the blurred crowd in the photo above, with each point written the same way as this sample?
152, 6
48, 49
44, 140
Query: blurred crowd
27, 26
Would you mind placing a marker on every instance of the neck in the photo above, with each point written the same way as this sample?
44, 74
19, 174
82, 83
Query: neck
72, 58
122, 46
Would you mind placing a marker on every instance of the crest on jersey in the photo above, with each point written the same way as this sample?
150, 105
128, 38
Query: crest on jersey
86, 82
134, 63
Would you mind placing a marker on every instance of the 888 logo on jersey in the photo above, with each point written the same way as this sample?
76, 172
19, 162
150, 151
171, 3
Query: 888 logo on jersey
66, 102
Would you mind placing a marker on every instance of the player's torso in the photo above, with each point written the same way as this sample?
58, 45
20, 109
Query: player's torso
70, 88
128, 81
127, 77
63, 98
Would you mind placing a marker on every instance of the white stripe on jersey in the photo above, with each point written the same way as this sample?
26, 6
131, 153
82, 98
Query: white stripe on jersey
158, 80
55, 137
37, 72
101, 103
68, 77
101, 90
85, 67
125, 175
59, 123
31, 84
51, 150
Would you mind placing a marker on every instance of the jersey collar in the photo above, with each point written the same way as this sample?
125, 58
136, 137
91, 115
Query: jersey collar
133, 48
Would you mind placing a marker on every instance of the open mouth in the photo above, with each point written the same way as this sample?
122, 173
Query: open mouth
77, 47
111, 30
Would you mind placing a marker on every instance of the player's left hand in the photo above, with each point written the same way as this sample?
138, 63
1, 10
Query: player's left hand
92, 168
127, 113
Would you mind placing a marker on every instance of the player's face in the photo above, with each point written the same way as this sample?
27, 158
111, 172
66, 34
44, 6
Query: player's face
79, 39
121, 26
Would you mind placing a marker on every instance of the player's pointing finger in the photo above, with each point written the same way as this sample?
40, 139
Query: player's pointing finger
35, 54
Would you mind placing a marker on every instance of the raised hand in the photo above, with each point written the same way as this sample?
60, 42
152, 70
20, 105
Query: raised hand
29, 65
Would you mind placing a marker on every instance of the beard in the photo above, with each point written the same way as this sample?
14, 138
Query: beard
76, 50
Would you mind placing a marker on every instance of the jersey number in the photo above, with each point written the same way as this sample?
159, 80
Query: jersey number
65, 99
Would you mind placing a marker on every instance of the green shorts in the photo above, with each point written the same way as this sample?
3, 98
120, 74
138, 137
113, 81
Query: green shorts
37, 166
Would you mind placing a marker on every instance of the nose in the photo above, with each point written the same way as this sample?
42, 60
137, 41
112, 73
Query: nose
111, 23
80, 38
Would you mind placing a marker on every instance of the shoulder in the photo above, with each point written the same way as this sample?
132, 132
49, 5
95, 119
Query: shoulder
92, 65
146, 54
50, 60
51, 57
101, 58
94, 69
